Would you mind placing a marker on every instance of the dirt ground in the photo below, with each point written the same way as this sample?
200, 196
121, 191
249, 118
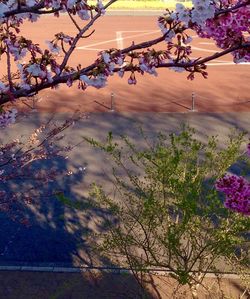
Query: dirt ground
35, 285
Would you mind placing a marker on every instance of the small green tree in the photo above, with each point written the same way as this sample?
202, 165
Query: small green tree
167, 213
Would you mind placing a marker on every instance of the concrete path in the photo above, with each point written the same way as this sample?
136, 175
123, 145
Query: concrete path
57, 234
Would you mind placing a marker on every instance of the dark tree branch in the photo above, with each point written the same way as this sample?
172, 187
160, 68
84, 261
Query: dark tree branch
37, 9
73, 21
87, 71
206, 59
233, 8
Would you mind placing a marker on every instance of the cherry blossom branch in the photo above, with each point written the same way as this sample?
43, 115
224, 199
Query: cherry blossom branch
201, 61
87, 71
148, 44
43, 71
32, 9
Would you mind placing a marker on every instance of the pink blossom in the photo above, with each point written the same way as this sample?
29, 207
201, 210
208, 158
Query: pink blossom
237, 191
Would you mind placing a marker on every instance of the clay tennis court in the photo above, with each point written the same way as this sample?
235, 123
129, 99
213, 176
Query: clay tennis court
226, 89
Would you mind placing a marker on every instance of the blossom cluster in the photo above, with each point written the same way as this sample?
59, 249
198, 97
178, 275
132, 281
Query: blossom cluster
215, 20
202, 10
81, 8
237, 191
228, 30
105, 66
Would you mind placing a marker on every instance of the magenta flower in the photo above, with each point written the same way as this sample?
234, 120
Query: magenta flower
237, 191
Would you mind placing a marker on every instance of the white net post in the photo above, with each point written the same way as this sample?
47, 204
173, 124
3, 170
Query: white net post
112, 103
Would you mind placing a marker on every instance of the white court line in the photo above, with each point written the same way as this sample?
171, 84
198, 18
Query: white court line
206, 43
92, 49
227, 63
221, 61
115, 40
215, 61
204, 50
119, 40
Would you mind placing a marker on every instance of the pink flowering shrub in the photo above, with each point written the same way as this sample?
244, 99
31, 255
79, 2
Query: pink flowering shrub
237, 191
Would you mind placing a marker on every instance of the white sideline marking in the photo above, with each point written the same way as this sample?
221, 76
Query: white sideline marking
217, 60
221, 61
206, 43
227, 63
204, 50
92, 49
115, 40
119, 39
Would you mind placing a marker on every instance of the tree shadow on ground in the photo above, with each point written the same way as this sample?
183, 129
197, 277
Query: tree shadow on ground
58, 232
57, 235
88, 285
54, 233
96, 285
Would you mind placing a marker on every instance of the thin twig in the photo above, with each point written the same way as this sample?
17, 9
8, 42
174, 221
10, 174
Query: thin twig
80, 34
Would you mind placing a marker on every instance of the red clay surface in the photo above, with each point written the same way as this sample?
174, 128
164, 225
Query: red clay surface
226, 89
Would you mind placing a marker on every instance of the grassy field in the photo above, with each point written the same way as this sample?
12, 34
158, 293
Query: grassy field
135, 4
